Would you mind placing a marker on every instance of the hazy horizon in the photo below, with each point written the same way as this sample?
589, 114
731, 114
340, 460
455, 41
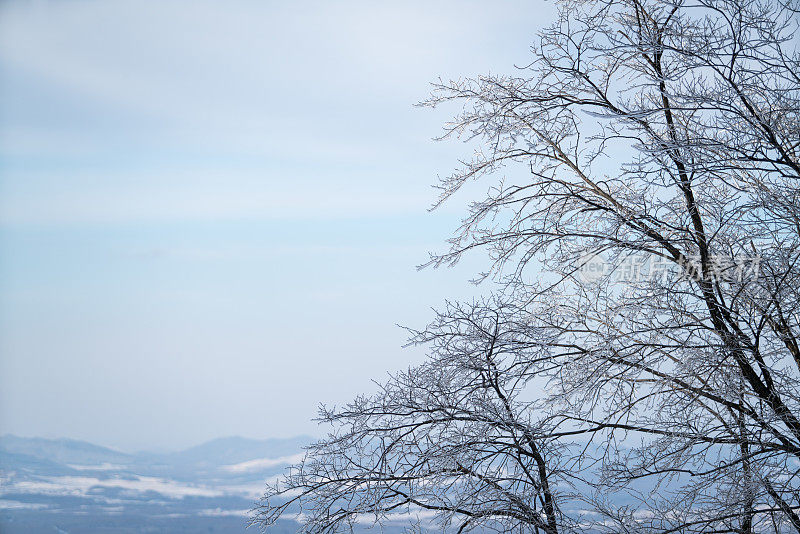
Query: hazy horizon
164, 450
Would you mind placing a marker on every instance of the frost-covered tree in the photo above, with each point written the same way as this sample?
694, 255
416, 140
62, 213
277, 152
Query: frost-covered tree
639, 368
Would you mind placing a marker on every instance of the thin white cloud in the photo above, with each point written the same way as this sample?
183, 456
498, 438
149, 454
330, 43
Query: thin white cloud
236, 66
200, 196
261, 464
72, 485
219, 512
6, 504
101, 467
316, 97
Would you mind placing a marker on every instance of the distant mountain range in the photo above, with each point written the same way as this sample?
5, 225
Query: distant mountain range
70, 486
65, 486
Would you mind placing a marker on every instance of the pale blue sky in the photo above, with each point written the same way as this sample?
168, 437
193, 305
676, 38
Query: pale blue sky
211, 212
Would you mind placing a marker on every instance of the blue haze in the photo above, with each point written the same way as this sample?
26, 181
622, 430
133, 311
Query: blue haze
211, 212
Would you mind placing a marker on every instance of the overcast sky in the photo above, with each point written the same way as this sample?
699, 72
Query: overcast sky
211, 212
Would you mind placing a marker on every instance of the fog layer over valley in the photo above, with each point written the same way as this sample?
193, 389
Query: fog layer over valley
73, 486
